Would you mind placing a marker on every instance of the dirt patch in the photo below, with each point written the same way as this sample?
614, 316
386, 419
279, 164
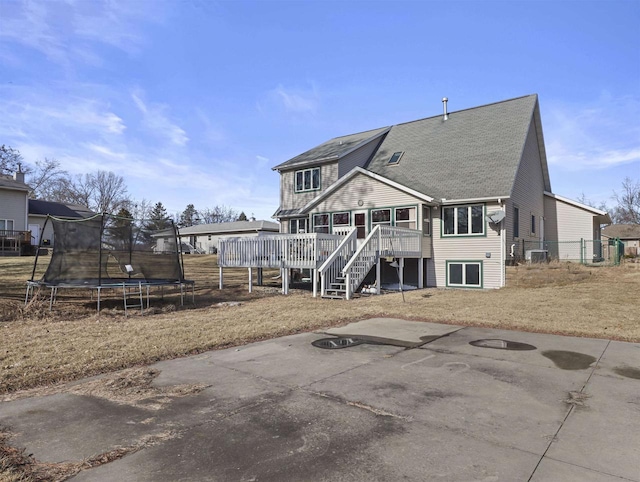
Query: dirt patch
17, 466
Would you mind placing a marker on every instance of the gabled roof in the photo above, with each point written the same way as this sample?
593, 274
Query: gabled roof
332, 150
38, 207
600, 216
7, 182
354, 172
232, 227
473, 154
622, 231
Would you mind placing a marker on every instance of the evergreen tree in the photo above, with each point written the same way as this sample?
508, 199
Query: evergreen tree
242, 217
158, 218
189, 216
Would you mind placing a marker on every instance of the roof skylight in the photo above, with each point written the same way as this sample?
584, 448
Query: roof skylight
395, 159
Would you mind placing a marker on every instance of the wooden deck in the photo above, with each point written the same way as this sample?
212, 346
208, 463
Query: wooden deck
339, 260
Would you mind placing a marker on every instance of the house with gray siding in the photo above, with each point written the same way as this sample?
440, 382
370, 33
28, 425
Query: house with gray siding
205, 238
463, 188
14, 234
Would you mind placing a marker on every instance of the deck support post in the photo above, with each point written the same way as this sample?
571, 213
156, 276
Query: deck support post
401, 273
220, 283
314, 280
420, 273
378, 273
250, 280
260, 281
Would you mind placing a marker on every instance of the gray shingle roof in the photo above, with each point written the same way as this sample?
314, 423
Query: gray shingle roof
42, 208
232, 227
622, 231
10, 183
331, 150
473, 154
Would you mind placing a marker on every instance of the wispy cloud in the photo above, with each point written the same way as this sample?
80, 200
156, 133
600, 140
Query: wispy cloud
291, 100
68, 31
157, 122
600, 135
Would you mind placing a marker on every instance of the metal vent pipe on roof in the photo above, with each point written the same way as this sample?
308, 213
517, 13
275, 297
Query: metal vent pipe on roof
444, 106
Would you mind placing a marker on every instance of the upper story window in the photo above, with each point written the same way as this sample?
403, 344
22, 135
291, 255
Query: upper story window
307, 180
426, 220
463, 220
395, 159
533, 225
406, 218
341, 219
321, 223
381, 216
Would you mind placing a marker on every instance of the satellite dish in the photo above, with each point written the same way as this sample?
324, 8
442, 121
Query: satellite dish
495, 216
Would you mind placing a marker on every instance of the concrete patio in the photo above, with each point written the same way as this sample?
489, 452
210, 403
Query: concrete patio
283, 410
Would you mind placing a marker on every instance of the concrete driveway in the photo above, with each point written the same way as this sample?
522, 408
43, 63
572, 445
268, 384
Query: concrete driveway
566, 409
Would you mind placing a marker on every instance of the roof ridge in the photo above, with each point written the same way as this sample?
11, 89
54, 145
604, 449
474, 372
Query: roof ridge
464, 110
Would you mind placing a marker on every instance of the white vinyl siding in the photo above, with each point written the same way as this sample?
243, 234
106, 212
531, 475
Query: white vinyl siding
289, 199
565, 222
527, 194
452, 248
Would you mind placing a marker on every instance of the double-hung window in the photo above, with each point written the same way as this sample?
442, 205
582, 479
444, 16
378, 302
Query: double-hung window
463, 220
6, 224
307, 180
406, 217
380, 216
321, 223
341, 220
464, 274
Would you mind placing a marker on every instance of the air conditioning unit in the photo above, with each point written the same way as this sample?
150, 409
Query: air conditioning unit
536, 255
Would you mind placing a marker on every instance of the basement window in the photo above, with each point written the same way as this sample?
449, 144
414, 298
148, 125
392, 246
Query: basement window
395, 159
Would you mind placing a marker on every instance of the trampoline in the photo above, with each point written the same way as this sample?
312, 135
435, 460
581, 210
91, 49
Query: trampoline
110, 252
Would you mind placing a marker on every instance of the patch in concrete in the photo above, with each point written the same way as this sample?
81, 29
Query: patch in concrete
569, 360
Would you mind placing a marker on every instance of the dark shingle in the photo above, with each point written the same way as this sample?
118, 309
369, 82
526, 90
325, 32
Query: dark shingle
331, 150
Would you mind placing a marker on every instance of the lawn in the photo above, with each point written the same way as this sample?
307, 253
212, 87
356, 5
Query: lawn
42, 348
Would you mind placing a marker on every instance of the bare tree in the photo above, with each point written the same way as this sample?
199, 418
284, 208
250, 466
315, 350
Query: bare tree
103, 192
46, 180
10, 160
628, 209
218, 214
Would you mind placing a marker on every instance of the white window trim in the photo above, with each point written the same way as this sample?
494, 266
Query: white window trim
455, 220
413, 219
328, 225
381, 223
464, 284
348, 213
7, 221
311, 169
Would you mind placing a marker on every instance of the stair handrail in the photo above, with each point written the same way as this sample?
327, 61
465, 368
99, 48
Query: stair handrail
374, 235
344, 251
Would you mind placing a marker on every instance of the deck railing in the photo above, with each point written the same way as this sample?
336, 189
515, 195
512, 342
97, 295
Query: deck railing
277, 251
20, 236
335, 263
382, 241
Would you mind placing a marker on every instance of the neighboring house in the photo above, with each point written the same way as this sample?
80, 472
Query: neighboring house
14, 234
629, 234
38, 212
205, 237
468, 186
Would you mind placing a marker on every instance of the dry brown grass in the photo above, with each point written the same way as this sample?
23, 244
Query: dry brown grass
41, 348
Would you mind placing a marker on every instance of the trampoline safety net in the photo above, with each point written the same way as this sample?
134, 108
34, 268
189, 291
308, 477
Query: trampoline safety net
106, 249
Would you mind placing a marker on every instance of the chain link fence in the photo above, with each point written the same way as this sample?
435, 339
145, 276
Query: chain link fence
595, 252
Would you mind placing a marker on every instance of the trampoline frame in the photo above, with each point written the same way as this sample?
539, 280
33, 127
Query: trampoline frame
100, 283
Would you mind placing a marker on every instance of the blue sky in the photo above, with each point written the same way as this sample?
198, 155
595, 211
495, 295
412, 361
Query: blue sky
194, 101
